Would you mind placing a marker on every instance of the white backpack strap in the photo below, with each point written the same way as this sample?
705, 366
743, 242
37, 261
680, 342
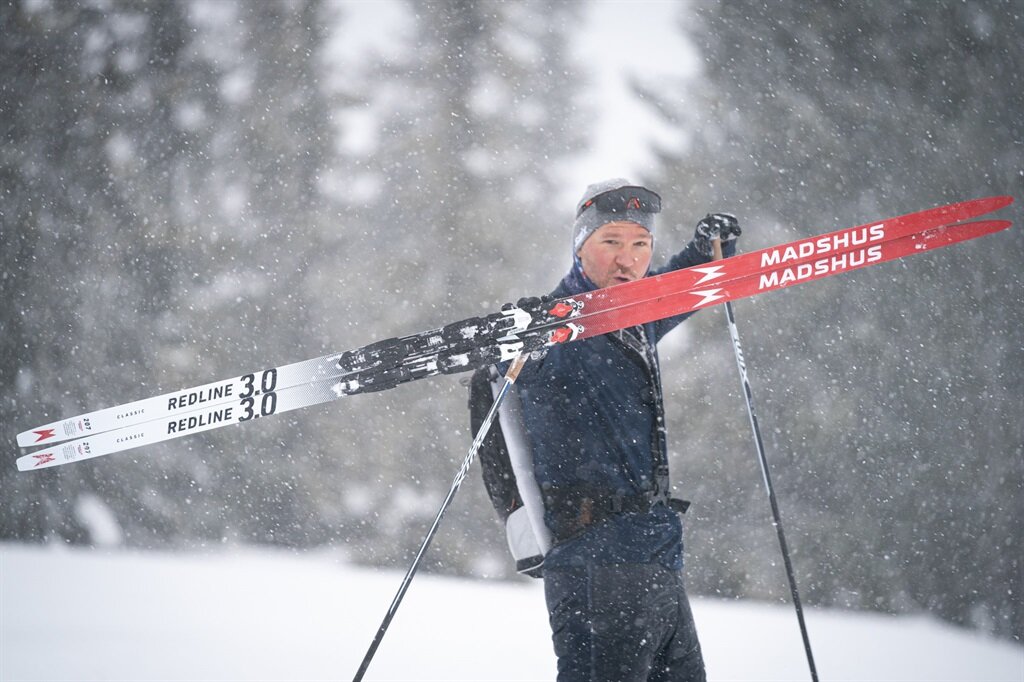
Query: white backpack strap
521, 457
522, 543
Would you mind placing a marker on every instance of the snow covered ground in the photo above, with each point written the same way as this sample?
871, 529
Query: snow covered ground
245, 614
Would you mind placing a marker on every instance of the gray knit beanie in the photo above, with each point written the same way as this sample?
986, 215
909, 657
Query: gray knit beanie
591, 219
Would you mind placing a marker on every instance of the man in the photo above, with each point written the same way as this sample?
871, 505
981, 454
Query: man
592, 415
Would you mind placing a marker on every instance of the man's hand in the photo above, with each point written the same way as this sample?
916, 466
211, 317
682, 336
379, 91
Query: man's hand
722, 226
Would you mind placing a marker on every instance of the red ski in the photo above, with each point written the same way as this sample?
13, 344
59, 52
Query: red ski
380, 365
794, 254
676, 301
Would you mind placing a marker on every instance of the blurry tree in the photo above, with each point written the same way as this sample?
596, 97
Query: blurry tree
442, 220
258, 219
91, 271
890, 396
192, 189
163, 163
188, 195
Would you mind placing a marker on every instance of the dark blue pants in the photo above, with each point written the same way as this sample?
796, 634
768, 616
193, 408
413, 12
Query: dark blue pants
622, 623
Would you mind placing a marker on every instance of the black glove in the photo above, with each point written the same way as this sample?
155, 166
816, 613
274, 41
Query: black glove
722, 226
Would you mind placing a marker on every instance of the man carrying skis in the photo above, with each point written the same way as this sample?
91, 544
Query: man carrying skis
592, 415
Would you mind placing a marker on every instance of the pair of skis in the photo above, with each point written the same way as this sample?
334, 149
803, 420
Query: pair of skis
478, 341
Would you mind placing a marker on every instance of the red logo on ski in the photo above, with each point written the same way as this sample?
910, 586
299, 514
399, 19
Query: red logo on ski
43, 434
44, 458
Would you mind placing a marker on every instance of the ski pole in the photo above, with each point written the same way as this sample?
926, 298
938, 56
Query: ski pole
759, 443
510, 377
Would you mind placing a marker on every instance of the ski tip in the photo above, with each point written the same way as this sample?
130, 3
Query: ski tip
973, 208
950, 234
37, 460
960, 211
989, 226
997, 225
1001, 201
28, 439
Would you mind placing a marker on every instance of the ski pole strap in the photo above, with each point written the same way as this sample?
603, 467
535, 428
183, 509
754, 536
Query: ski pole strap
573, 509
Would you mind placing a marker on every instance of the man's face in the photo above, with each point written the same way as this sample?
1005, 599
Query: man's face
616, 253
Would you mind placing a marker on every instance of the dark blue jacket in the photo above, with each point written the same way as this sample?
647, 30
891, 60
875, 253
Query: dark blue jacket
593, 415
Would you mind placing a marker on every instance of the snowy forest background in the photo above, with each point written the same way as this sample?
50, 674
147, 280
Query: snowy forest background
193, 189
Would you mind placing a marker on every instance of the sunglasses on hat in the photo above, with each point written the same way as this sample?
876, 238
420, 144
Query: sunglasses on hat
623, 199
